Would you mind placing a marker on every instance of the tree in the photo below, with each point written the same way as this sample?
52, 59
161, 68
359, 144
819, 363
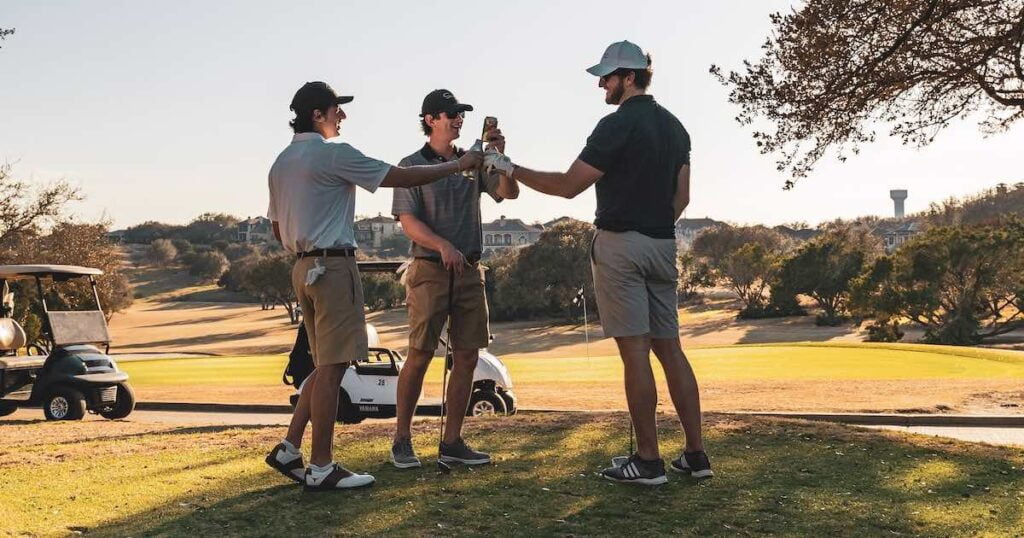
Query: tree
381, 291
70, 244
693, 275
161, 251
25, 210
961, 284
824, 267
746, 259
238, 251
396, 246
208, 265
271, 278
150, 231
542, 279
832, 69
210, 227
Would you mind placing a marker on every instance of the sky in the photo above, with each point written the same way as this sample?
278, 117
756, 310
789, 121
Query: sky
165, 110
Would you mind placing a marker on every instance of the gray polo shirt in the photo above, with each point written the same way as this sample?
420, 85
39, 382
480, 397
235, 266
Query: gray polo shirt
313, 191
450, 207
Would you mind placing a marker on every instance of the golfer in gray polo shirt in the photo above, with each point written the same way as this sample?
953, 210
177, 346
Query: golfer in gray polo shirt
312, 203
639, 159
443, 221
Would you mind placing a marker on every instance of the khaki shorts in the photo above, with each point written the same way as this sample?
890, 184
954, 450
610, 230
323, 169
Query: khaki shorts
426, 294
332, 309
635, 280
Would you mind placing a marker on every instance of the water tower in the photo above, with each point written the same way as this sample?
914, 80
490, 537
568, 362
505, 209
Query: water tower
898, 196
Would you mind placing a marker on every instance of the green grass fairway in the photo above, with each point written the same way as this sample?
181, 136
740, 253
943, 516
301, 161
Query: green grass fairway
773, 478
746, 362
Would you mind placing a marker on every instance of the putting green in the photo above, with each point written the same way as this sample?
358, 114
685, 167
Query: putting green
743, 362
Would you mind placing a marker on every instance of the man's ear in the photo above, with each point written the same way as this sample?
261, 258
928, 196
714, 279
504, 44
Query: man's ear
319, 116
429, 119
630, 79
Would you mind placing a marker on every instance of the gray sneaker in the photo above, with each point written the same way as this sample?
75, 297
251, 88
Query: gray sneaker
459, 452
403, 456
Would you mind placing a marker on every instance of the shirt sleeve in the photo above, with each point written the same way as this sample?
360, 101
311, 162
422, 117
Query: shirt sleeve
271, 212
684, 149
350, 165
406, 201
606, 142
489, 184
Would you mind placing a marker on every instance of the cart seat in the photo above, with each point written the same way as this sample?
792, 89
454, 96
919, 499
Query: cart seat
12, 336
22, 363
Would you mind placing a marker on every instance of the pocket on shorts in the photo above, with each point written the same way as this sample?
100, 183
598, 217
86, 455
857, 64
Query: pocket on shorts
593, 246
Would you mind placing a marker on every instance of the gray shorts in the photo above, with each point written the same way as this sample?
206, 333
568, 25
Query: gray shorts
635, 279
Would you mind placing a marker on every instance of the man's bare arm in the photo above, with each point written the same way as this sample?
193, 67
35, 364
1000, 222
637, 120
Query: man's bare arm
682, 198
414, 176
508, 188
577, 179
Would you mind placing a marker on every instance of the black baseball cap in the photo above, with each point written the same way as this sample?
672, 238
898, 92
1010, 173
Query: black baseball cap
317, 96
439, 101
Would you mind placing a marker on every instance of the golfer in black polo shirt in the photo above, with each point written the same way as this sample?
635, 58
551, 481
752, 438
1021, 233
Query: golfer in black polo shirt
639, 158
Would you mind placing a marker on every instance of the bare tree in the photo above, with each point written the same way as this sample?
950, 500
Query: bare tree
833, 69
24, 209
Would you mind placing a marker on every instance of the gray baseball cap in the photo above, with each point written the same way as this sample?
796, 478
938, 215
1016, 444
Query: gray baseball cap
617, 56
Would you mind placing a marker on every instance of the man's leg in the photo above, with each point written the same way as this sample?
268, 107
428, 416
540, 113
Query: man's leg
460, 387
682, 386
300, 417
410, 385
641, 392
324, 411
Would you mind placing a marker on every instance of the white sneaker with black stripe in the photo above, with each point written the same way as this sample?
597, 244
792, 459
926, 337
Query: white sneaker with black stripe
634, 470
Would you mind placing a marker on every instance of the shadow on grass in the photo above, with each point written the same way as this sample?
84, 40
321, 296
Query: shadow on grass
776, 477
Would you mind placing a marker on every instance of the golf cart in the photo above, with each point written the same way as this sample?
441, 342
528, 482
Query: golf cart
369, 388
63, 372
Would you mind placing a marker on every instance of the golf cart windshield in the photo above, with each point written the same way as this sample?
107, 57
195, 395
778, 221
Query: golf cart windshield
65, 327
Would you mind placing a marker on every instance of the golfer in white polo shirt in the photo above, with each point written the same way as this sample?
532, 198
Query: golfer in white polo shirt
312, 205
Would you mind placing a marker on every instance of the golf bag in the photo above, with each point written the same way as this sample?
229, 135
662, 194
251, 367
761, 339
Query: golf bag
300, 360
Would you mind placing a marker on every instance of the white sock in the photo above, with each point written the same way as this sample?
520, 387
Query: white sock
319, 473
290, 448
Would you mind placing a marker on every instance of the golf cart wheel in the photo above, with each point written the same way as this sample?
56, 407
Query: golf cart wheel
484, 403
124, 405
64, 403
6, 408
347, 412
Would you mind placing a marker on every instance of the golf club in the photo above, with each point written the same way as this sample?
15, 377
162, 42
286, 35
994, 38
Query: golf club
442, 466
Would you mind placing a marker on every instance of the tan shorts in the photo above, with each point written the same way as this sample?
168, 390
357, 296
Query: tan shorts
635, 280
426, 294
332, 310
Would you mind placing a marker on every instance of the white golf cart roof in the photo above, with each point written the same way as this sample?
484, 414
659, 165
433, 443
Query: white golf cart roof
15, 272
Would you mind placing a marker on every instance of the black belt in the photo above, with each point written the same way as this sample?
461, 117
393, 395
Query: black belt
327, 253
472, 259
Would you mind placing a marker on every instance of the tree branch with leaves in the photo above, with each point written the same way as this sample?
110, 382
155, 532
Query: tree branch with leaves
834, 70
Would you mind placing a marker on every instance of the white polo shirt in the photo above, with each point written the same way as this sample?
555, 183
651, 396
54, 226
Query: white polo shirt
313, 191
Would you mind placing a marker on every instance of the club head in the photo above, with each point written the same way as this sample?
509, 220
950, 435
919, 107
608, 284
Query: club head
443, 467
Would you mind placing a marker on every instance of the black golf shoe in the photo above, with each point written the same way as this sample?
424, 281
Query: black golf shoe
696, 464
633, 470
459, 452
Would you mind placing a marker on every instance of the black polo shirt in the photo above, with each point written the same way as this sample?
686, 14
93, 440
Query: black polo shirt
640, 148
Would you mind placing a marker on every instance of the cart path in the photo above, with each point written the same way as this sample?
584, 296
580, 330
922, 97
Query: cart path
994, 436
